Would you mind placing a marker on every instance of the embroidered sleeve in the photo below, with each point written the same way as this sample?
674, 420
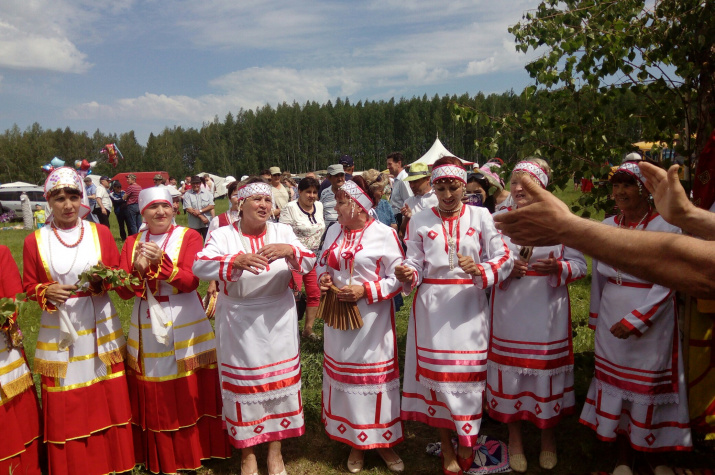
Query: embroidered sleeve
598, 281
499, 261
415, 256
642, 317
302, 260
212, 264
386, 286
572, 267
35, 280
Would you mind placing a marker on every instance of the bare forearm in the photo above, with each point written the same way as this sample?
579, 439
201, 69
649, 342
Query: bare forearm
679, 262
698, 222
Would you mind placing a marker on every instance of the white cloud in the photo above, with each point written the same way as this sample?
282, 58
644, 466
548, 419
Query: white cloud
44, 34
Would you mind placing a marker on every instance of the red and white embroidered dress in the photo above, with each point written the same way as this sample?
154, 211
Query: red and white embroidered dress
530, 375
85, 401
639, 385
361, 376
19, 410
257, 333
448, 332
173, 387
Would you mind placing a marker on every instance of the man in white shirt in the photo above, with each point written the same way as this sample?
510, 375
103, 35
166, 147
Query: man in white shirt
336, 175
400, 190
198, 204
103, 207
281, 195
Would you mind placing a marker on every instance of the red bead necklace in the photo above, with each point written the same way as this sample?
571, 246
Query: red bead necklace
57, 235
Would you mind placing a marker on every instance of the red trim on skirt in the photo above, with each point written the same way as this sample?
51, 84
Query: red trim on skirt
22, 432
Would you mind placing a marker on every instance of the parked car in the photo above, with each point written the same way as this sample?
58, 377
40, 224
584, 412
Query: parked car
10, 196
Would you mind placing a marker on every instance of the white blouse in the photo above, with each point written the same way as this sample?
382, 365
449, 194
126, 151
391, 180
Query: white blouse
308, 227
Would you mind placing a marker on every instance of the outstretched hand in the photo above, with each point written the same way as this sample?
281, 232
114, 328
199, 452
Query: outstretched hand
539, 223
669, 196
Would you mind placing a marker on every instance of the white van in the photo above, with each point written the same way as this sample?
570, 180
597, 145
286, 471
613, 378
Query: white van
10, 196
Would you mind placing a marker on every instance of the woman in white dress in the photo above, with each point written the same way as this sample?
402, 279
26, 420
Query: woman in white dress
638, 393
454, 252
257, 326
530, 376
80, 347
305, 216
361, 376
172, 374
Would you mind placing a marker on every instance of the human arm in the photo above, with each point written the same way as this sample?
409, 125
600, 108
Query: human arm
11, 283
673, 204
598, 282
37, 284
567, 267
496, 260
548, 221
386, 286
640, 319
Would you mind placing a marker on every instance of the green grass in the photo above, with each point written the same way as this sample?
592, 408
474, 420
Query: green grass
315, 453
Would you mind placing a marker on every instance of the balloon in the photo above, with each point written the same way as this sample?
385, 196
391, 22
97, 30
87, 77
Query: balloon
57, 162
78, 164
92, 164
47, 168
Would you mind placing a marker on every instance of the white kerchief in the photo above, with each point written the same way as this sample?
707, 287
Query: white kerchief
534, 170
155, 194
358, 195
257, 188
452, 172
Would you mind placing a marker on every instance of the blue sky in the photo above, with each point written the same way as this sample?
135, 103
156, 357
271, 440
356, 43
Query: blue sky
120, 65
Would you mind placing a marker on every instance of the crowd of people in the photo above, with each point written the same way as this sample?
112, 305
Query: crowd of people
489, 327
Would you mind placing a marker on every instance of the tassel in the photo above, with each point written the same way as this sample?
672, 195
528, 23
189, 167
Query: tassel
51, 369
14, 388
114, 356
196, 361
131, 361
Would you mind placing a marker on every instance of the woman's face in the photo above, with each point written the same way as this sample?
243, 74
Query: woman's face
521, 197
233, 199
378, 194
474, 187
627, 197
449, 193
348, 212
256, 209
65, 208
308, 196
158, 217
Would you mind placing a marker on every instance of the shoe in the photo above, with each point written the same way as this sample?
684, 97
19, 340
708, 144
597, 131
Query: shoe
394, 466
282, 473
449, 472
354, 466
622, 470
517, 462
663, 470
547, 459
465, 464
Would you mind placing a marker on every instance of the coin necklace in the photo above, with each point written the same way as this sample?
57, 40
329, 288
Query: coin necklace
451, 237
69, 246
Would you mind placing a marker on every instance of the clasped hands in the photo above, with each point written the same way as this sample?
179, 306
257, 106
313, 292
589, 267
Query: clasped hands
147, 254
348, 293
543, 266
255, 263
405, 273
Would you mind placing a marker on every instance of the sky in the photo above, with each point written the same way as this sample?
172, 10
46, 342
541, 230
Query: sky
120, 65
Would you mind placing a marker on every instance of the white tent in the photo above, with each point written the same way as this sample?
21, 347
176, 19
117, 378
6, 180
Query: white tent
437, 151
18, 184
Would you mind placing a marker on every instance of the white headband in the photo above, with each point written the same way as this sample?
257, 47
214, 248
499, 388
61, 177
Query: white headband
632, 169
358, 195
534, 170
155, 194
257, 188
452, 172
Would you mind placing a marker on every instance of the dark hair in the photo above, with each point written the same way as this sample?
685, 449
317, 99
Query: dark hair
308, 182
490, 201
623, 177
396, 157
67, 190
116, 183
231, 188
265, 172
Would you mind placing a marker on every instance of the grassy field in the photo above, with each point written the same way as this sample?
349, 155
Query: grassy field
314, 453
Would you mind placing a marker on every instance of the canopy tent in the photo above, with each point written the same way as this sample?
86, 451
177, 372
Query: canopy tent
437, 151
17, 184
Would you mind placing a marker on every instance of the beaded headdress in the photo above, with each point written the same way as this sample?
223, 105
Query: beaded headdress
534, 170
451, 172
66, 177
257, 188
357, 195
631, 168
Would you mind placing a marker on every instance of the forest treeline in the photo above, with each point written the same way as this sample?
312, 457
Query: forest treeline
295, 137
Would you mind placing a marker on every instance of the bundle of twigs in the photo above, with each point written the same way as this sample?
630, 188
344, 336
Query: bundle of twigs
338, 314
